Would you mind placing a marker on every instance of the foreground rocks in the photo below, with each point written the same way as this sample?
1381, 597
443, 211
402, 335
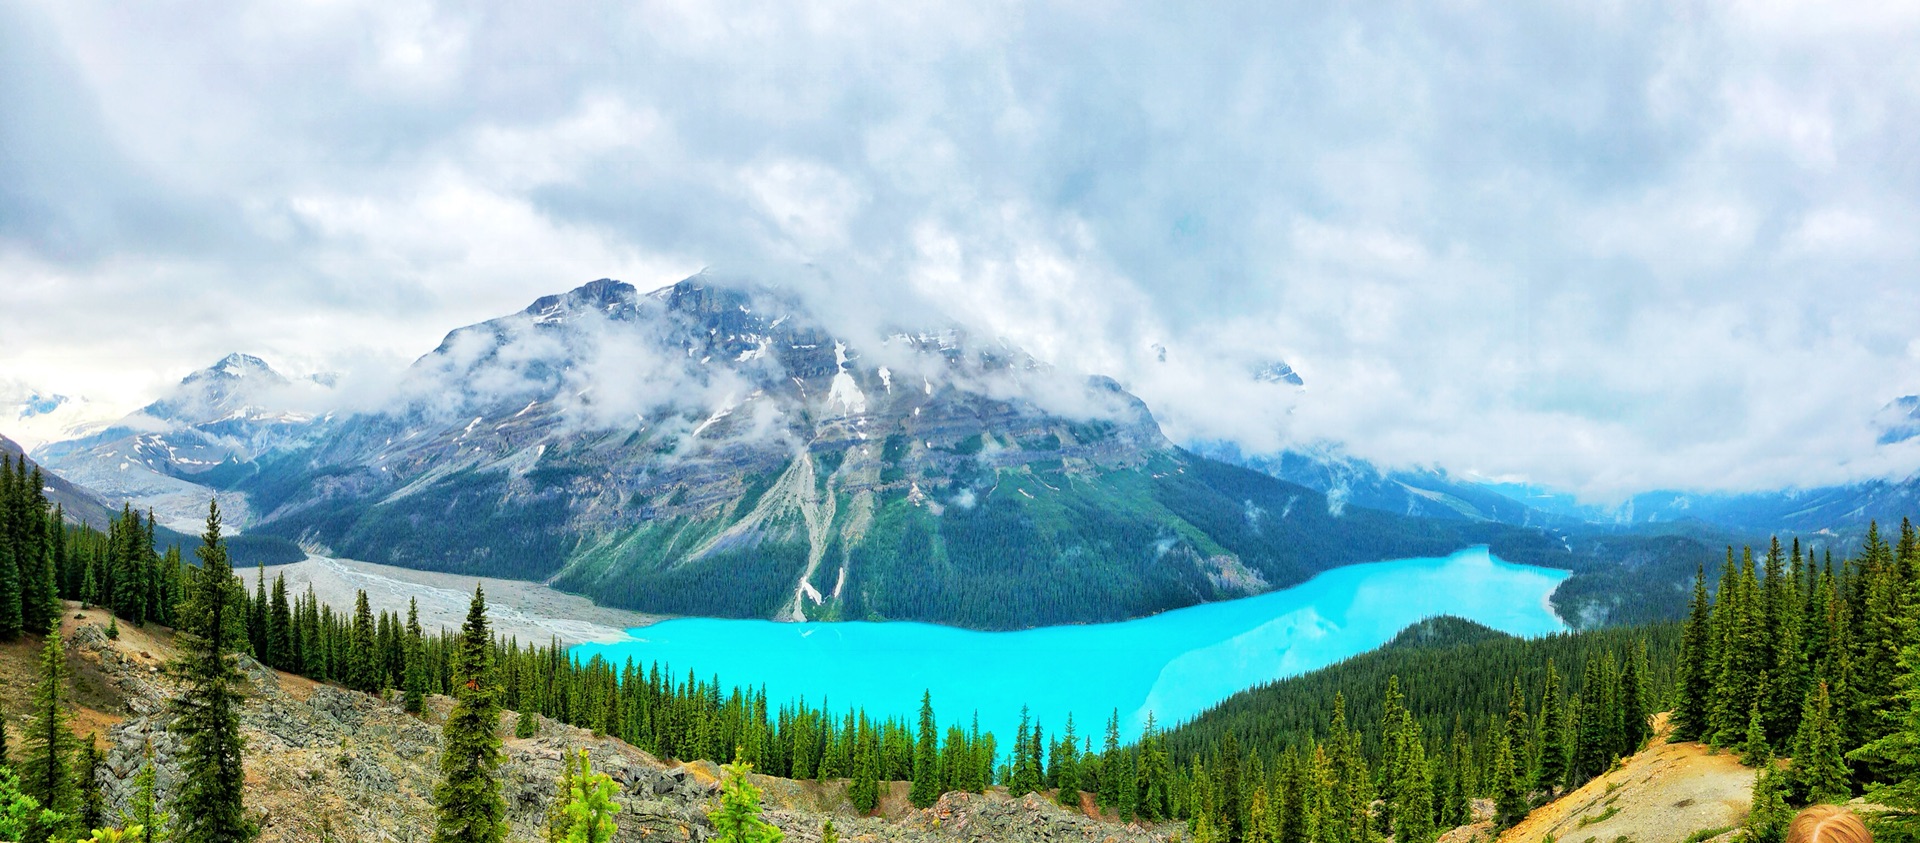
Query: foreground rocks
326, 765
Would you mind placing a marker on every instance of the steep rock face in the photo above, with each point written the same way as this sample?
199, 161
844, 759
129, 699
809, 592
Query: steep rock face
714, 449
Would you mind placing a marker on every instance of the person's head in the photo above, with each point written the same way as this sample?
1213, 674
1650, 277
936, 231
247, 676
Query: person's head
1828, 824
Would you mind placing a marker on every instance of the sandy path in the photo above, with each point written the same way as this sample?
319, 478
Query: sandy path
528, 611
1663, 795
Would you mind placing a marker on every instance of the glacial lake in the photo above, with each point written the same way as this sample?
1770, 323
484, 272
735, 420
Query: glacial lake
1174, 664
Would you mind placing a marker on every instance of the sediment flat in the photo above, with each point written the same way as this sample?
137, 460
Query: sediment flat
525, 610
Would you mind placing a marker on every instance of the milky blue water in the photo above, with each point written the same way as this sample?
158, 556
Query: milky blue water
1173, 664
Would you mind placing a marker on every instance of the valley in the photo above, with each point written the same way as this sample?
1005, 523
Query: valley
1171, 666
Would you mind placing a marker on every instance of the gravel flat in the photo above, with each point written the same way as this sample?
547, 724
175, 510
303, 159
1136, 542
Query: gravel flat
528, 611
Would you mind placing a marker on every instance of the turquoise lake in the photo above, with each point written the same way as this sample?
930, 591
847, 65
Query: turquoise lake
1174, 664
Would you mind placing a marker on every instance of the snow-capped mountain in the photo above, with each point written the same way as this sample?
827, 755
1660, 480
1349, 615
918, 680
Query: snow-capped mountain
714, 448
200, 437
32, 417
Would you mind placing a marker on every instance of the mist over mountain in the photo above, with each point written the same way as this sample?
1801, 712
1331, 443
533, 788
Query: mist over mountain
713, 448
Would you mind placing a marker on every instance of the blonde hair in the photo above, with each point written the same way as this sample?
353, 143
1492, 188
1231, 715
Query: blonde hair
1828, 824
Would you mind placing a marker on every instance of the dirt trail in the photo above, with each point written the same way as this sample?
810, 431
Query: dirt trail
1664, 794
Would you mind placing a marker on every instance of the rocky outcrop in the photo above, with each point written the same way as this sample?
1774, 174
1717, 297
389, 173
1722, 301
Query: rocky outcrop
326, 764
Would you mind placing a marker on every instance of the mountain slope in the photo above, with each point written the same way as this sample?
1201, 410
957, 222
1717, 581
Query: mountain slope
714, 449
80, 505
202, 436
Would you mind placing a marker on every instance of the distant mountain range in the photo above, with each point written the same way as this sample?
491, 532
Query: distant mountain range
713, 448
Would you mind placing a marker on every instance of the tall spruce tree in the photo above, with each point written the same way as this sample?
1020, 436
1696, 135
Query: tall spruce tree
1819, 772
1413, 792
11, 621
416, 669
1636, 714
864, 788
211, 801
1553, 735
48, 747
926, 758
467, 799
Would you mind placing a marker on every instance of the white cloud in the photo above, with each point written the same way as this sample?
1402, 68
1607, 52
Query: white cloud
1606, 248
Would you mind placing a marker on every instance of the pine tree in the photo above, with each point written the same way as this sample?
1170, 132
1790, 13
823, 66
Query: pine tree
926, 759
1819, 772
93, 803
1754, 750
1897, 756
48, 747
143, 809
1023, 781
1067, 777
1769, 815
280, 633
1509, 795
416, 670
1413, 792
363, 673
1108, 795
1553, 736
829, 834
737, 819
211, 803
11, 621
864, 788
1636, 714
467, 800
38, 599
589, 804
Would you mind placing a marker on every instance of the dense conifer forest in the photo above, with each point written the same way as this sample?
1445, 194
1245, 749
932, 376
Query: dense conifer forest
1783, 656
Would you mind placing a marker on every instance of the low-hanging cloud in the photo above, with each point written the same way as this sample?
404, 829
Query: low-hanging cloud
1604, 248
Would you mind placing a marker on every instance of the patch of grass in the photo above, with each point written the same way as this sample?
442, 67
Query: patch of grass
1603, 816
1708, 834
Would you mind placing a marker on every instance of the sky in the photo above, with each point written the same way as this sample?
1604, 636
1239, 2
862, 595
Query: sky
1603, 247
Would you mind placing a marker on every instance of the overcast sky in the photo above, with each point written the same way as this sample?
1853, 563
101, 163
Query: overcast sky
1605, 247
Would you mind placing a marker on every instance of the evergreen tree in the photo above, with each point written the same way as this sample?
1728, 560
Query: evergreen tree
590, 805
1108, 795
1553, 736
1413, 792
39, 602
48, 747
1768, 818
1024, 780
93, 803
280, 632
737, 819
210, 804
467, 800
829, 834
1509, 795
1897, 755
1066, 754
926, 759
558, 824
363, 672
416, 670
1636, 710
1819, 772
1754, 750
11, 621
864, 788
143, 808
